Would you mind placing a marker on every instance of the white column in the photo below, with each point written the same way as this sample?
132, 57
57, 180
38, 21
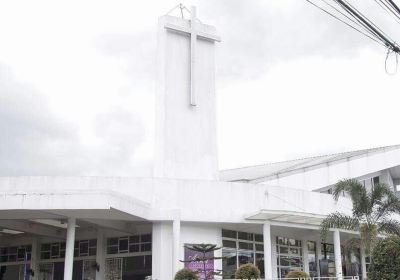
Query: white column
100, 255
176, 233
338, 253
35, 258
318, 255
69, 249
267, 250
363, 263
162, 249
305, 256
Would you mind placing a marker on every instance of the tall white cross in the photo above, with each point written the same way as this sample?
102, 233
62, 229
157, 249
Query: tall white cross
194, 35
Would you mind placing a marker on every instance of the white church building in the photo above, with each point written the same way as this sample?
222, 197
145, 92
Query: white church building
113, 228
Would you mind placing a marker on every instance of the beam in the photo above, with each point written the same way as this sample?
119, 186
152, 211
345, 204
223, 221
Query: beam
33, 228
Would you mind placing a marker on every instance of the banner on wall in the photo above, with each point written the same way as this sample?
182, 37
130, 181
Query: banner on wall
196, 265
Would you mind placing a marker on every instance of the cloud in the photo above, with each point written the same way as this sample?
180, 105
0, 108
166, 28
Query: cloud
35, 141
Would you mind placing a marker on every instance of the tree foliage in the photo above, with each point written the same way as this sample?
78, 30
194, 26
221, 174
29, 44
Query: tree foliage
248, 272
370, 213
385, 261
186, 274
297, 274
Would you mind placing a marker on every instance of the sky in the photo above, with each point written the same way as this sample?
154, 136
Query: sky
77, 84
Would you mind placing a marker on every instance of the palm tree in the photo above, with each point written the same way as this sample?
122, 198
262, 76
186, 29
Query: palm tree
371, 213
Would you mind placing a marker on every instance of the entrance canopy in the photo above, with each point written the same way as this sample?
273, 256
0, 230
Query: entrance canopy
287, 217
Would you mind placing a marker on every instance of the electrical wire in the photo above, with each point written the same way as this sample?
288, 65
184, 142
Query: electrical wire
346, 23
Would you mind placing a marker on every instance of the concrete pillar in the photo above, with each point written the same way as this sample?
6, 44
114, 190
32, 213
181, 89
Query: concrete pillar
100, 255
267, 250
69, 249
176, 233
305, 256
338, 254
363, 263
35, 257
162, 248
318, 257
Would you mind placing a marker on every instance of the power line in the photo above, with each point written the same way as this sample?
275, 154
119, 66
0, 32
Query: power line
346, 23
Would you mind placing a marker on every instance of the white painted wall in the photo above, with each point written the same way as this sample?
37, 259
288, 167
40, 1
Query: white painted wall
194, 233
185, 135
155, 199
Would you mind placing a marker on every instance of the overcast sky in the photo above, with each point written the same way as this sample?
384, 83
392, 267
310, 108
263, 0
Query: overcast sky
77, 82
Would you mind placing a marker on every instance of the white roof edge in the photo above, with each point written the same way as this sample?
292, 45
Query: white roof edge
230, 174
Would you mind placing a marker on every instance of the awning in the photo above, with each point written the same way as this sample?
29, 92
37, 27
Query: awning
287, 217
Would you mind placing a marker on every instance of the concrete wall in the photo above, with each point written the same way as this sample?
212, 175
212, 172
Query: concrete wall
201, 201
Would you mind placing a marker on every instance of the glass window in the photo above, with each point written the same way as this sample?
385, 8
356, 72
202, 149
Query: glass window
241, 250
289, 255
229, 243
123, 245
245, 236
229, 234
258, 238
229, 262
246, 246
312, 258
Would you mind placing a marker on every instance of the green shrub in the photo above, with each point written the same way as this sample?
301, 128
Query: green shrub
297, 274
186, 274
385, 260
247, 271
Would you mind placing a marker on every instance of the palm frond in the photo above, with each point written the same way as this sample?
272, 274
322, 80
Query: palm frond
384, 201
339, 221
357, 193
389, 226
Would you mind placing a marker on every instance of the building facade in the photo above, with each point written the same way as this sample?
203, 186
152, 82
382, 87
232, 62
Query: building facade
130, 228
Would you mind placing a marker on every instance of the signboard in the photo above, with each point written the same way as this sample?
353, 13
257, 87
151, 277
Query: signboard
199, 266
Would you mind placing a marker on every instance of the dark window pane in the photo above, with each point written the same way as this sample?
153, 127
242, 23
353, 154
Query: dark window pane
260, 247
62, 254
145, 247
147, 262
45, 247
92, 243
28, 248
21, 253
229, 233
12, 250
84, 248
123, 245
134, 248
245, 245
134, 239
62, 245
45, 255
258, 237
112, 250
145, 238
55, 250
112, 241
229, 262
4, 251
4, 258
92, 251
245, 236
12, 258
229, 243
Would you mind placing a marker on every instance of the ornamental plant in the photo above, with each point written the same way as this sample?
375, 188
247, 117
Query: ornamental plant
247, 272
186, 274
204, 255
297, 274
385, 261
371, 214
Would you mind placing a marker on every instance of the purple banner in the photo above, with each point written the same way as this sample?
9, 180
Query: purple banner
198, 266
